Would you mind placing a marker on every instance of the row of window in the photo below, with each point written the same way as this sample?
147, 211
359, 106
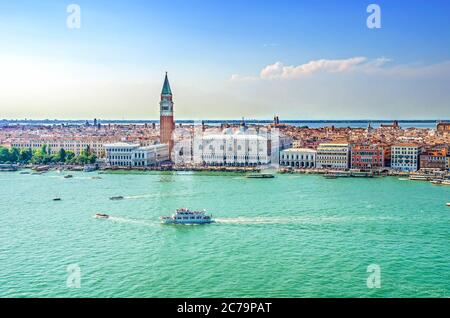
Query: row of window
367, 160
120, 150
221, 147
298, 164
297, 157
115, 157
215, 157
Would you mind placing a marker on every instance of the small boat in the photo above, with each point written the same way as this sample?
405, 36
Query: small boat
68, 176
57, 199
41, 168
440, 182
8, 167
89, 168
448, 204
260, 175
96, 178
119, 197
101, 216
25, 172
330, 176
186, 217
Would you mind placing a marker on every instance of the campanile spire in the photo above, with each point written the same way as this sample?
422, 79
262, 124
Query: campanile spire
166, 121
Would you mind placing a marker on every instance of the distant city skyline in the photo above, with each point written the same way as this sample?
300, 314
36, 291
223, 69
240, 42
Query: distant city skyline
226, 60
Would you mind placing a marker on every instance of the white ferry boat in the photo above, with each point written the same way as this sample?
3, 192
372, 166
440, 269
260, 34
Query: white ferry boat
185, 216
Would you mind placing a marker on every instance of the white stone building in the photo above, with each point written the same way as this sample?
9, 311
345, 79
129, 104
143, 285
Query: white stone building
242, 147
55, 145
133, 155
298, 158
404, 157
333, 156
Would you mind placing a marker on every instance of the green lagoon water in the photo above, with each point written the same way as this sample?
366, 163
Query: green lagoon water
291, 236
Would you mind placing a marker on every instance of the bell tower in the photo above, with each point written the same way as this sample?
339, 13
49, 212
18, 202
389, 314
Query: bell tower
166, 122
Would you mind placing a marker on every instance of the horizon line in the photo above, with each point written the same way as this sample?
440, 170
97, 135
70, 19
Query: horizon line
223, 120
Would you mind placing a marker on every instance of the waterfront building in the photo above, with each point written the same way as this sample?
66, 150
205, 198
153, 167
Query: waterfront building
133, 155
434, 159
167, 124
443, 127
333, 155
242, 147
54, 145
298, 158
387, 154
394, 125
404, 157
367, 157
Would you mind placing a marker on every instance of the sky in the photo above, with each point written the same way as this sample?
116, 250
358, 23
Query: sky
225, 59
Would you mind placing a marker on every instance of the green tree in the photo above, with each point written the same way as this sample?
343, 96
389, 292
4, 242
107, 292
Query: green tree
25, 155
59, 157
92, 158
4, 155
62, 155
41, 156
14, 155
70, 156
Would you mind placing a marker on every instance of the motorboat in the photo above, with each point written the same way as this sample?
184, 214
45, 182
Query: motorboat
101, 216
260, 175
119, 197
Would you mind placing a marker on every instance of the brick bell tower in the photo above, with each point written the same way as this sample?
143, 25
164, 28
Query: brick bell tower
166, 122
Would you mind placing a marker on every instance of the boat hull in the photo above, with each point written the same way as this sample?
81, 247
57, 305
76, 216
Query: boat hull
173, 222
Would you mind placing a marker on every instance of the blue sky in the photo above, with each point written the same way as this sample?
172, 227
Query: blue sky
216, 51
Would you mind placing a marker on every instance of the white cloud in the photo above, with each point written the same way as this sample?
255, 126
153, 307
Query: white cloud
360, 64
279, 70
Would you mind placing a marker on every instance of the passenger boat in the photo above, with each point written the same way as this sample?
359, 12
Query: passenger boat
420, 177
187, 217
101, 216
336, 174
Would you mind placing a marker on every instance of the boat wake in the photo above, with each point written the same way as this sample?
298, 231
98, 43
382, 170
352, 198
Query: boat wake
119, 219
136, 197
300, 220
